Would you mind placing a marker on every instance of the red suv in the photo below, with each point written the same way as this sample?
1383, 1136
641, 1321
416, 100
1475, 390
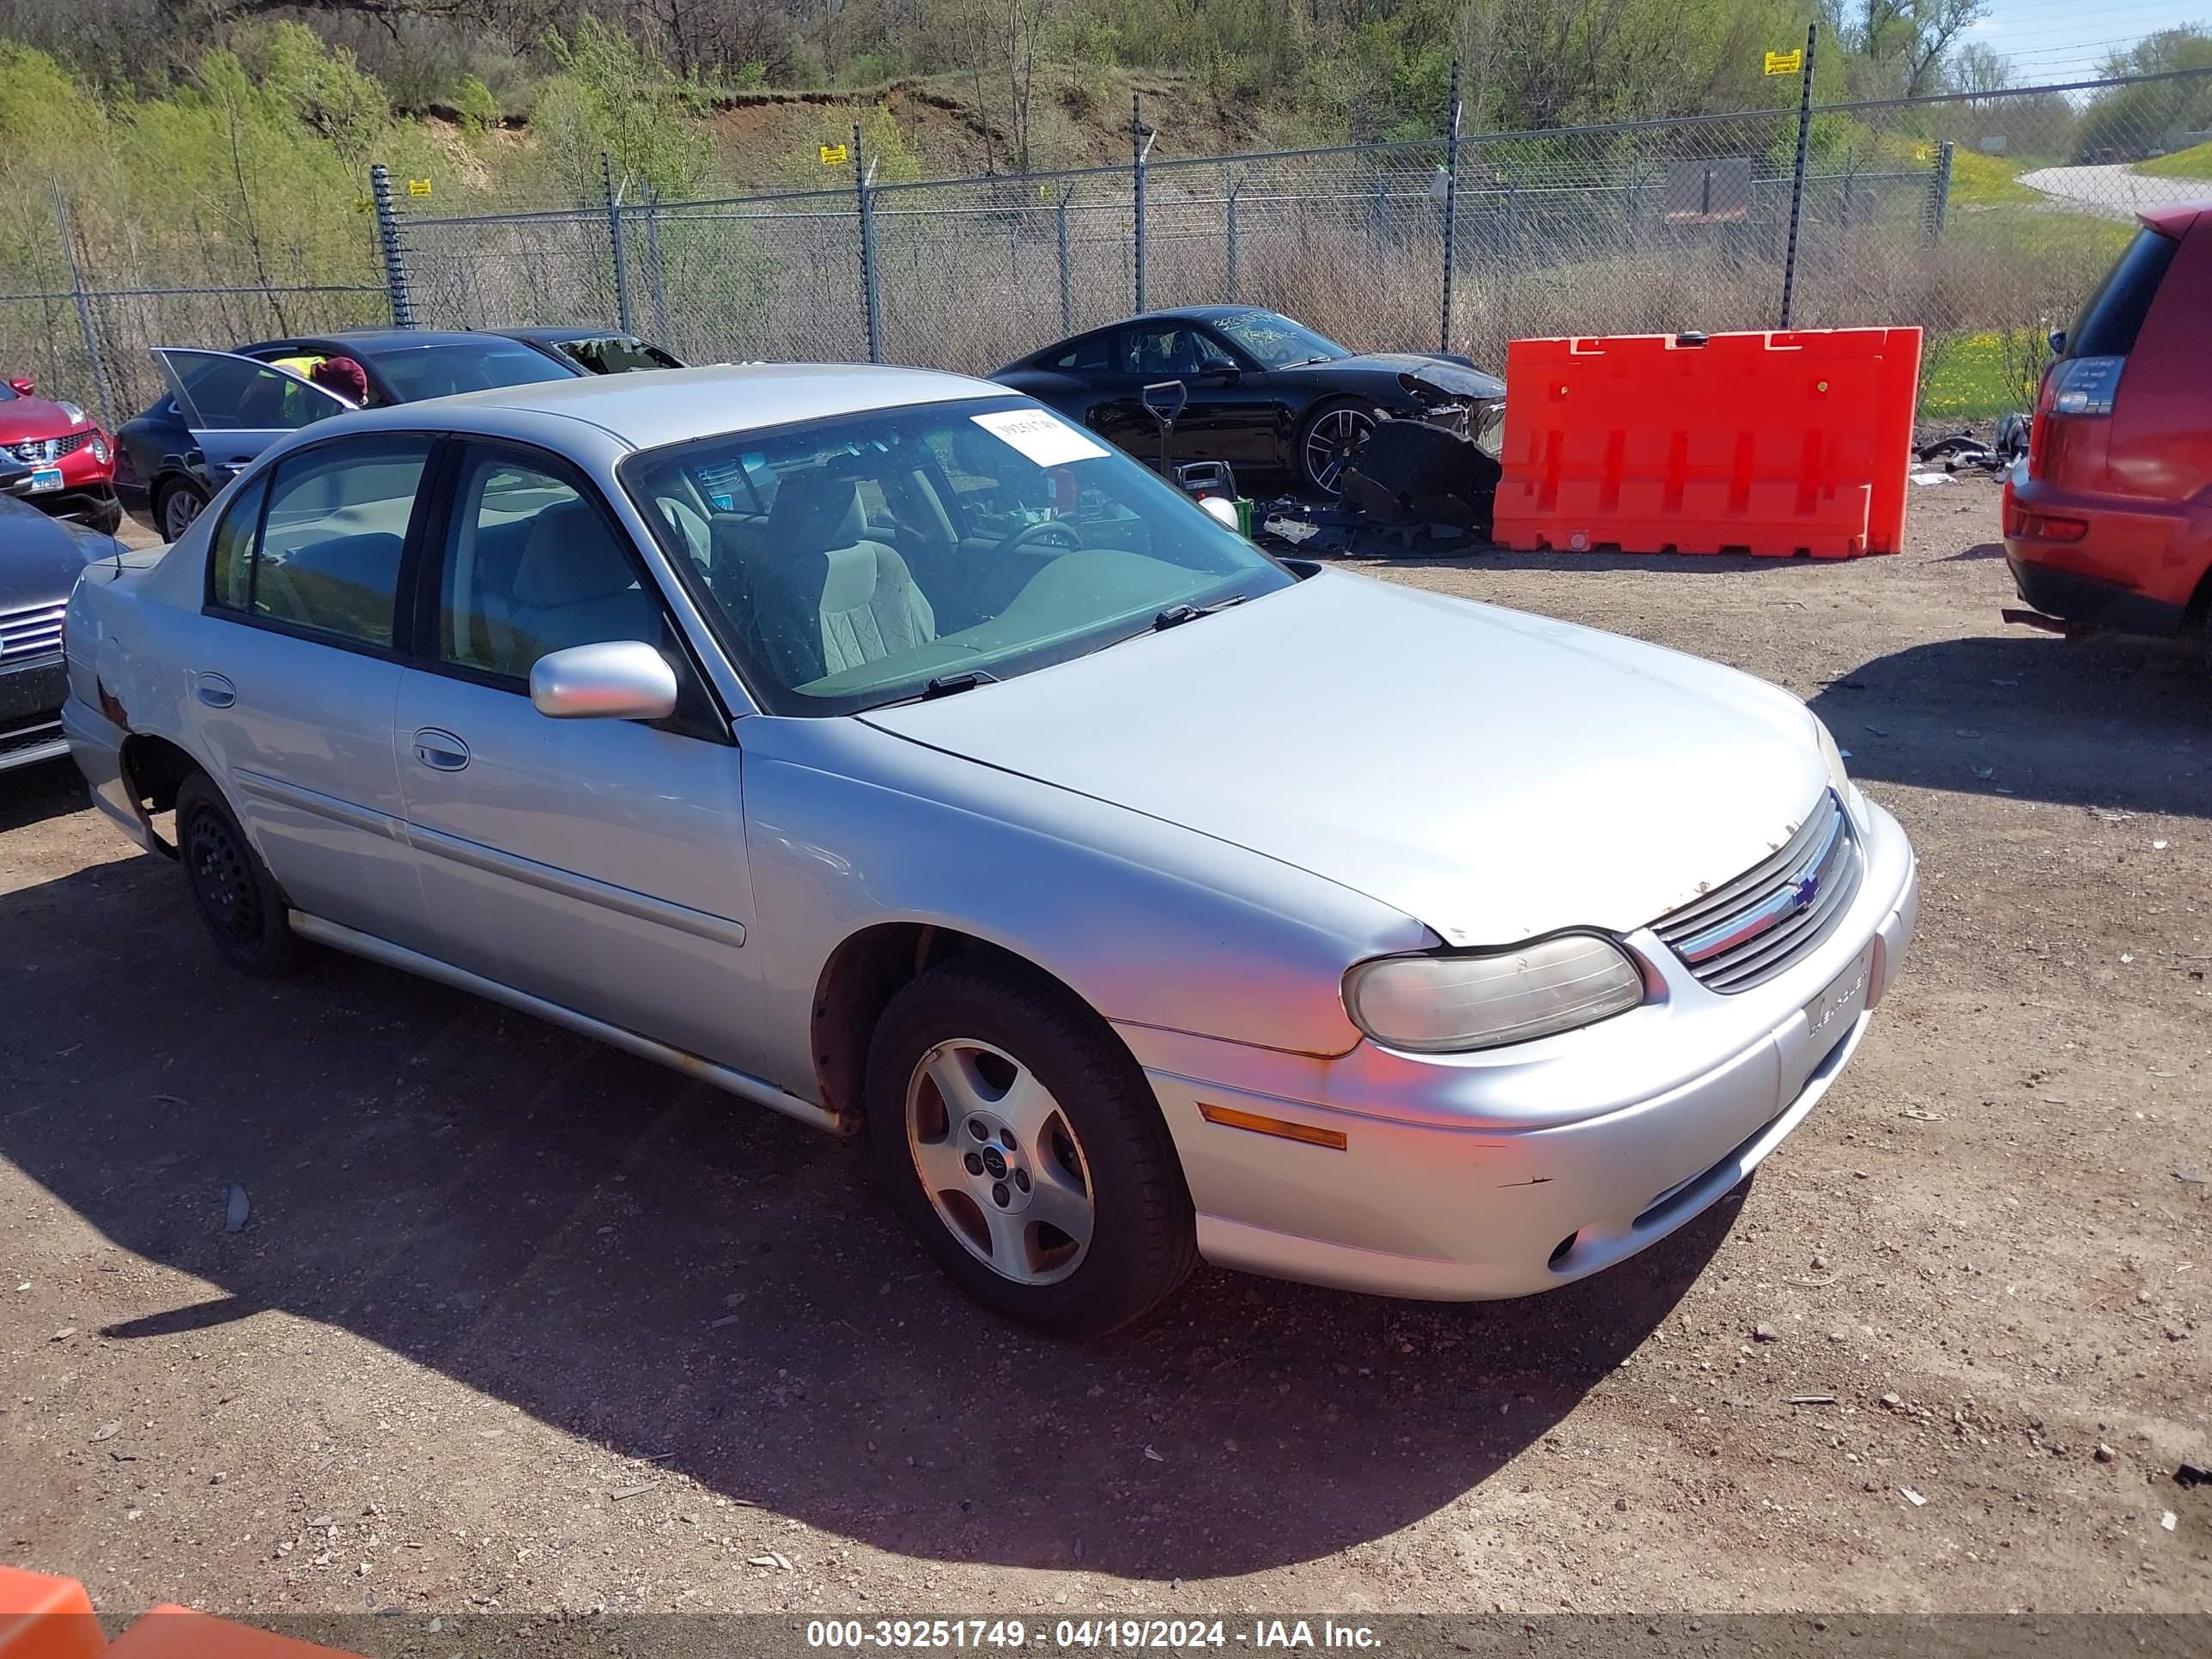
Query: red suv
72, 461
2110, 523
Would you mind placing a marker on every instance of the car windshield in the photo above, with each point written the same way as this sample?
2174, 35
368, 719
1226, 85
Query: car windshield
438, 370
876, 557
1275, 340
617, 354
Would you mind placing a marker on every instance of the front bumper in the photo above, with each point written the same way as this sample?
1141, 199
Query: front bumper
30, 708
1467, 1177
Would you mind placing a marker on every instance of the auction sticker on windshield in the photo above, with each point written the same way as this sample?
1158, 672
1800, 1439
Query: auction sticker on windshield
1045, 439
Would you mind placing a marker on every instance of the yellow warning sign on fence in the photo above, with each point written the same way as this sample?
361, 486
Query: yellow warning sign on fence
1786, 62
418, 186
835, 156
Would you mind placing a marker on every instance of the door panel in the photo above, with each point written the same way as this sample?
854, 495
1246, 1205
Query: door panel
596, 864
236, 407
298, 712
303, 733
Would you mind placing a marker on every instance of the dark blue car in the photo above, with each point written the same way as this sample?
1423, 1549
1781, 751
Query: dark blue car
225, 407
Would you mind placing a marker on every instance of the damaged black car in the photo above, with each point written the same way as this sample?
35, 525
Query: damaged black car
1285, 407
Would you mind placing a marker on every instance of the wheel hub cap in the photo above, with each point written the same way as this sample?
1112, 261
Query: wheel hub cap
1000, 1161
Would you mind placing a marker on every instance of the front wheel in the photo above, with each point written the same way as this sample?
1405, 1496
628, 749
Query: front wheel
1020, 1141
1331, 437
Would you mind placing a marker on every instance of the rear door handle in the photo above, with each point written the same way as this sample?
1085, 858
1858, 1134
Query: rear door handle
215, 690
442, 751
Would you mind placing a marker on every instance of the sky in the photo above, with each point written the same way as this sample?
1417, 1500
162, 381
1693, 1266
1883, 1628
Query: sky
2055, 41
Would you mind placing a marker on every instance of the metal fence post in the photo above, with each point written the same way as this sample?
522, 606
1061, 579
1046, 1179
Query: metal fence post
100, 390
871, 294
1451, 208
1231, 272
1067, 270
394, 250
614, 241
656, 274
1938, 193
1140, 145
1797, 174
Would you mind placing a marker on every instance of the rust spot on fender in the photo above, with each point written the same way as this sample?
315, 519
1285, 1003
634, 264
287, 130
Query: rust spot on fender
111, 705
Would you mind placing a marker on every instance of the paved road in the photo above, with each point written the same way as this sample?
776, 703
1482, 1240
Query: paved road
2116, 191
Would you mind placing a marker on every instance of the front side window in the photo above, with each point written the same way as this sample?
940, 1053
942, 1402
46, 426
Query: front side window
864, 557
531, 566
328, 554
1166, 351
228, 394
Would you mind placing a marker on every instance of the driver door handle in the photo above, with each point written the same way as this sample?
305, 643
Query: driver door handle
440, 751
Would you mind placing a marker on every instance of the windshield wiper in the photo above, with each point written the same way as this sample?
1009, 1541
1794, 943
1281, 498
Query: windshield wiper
1175, 615
946, 685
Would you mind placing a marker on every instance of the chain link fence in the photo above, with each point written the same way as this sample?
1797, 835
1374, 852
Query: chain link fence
1983, 219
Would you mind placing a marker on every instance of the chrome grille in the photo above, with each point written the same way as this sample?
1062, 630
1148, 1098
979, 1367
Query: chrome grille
45, 451
1745, 933
27, 634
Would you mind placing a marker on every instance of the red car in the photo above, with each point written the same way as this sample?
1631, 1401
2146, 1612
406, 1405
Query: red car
2110, 522
72, 461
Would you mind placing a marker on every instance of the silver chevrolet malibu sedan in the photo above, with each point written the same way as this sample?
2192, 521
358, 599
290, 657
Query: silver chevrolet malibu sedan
881, 748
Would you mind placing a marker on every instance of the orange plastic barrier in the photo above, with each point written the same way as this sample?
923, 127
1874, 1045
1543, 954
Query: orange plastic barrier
45, 1617
1764, 443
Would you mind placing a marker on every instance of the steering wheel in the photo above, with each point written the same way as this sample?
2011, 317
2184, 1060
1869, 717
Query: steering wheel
1042, 529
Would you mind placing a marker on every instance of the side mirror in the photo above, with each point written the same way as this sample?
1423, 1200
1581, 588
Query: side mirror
1221, 373
2058, 342
23, 386
615, 680
1222, 511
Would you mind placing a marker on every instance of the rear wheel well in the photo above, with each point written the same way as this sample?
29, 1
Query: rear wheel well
2198, 612
857, 982
152, 768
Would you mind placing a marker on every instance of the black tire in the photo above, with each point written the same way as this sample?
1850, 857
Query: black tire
176, 504
1336, 411
233, 891
1143, 1242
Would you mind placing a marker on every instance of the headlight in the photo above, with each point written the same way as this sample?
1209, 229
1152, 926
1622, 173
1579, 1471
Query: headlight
76, 415
99, 448
1458, 1000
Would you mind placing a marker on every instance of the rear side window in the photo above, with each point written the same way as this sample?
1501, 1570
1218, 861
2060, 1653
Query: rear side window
230, 559
1086, 355
2114, 316
326, 556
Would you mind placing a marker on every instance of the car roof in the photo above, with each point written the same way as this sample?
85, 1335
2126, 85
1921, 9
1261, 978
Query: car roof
672, 406
385, 339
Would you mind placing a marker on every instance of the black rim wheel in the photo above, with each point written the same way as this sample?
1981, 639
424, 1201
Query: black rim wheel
222, 879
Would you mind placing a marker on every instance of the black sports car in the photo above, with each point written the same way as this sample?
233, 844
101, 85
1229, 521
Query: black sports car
1277, 401
164, 470
601, 350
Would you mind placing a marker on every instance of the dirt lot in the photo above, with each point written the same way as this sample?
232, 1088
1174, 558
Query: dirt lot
519, 1322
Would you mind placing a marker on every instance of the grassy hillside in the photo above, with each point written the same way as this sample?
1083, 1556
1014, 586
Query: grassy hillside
2195, 162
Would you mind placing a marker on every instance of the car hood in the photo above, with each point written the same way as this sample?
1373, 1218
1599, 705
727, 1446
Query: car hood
1492, 774
34, 417
1451, 380
39, 556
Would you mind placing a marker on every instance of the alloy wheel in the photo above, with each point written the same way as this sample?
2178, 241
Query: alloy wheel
1330, 441
178, 508
1000, 1161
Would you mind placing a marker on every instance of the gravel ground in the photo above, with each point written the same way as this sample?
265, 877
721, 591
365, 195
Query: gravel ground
520, 1323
